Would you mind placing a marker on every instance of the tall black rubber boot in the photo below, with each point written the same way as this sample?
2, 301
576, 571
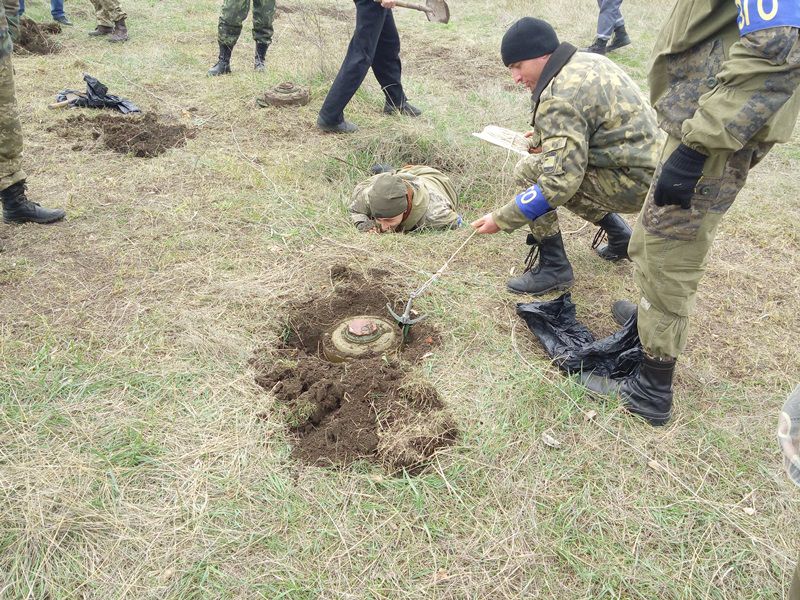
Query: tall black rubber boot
547, 268
619, 39
261, 54
18, 209
622, 311
619, 234
223, 65
647, 394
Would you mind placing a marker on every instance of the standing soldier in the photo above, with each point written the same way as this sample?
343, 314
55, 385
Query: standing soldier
413, 198
724, 84
609, 22
595, 142
375, 44
110, 20
16, 207
231, 17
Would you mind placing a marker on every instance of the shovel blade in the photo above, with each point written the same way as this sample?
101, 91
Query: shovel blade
438, 11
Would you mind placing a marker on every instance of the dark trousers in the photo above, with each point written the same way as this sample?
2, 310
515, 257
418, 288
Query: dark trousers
375, 44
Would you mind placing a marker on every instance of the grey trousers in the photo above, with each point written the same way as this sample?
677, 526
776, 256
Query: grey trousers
609, 18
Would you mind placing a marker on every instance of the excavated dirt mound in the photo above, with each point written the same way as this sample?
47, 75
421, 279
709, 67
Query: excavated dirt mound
144, 136
36, 38
372, 409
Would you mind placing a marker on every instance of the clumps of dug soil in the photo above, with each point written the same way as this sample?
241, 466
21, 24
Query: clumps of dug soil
36, 38
372, 409
144, 136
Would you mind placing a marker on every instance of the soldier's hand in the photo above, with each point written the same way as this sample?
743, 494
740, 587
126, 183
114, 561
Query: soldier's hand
388, 3
679, 176
485, 224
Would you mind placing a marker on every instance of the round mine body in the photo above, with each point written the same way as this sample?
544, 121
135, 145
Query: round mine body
360, 337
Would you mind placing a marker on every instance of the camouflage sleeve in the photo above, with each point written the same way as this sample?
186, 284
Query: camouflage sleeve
761, 74
565, 149
5, 38
359, 205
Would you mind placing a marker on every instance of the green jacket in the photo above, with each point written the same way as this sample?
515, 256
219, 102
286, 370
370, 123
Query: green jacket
9, 26
433, 205
587, 112
716, 91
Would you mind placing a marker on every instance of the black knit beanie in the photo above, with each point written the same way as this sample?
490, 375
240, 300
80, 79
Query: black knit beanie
528, 38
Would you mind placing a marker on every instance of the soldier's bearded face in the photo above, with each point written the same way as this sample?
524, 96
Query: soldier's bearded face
527, 72
389, 224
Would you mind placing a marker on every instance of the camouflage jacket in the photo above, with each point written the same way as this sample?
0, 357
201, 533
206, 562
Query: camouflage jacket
433, 204
9, 25
589, 113
717, 88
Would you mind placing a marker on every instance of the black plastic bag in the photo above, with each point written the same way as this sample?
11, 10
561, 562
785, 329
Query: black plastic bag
96, 96
573, 347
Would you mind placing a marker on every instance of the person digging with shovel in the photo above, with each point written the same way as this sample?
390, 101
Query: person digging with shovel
375, 44
594, 147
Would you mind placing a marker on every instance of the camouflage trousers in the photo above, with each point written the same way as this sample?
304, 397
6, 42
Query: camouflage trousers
670, 247
233, 14
108, 12
794, 591
620, 190
10, 129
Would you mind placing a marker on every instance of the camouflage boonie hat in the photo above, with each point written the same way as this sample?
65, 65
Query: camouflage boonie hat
388, 196
789, 435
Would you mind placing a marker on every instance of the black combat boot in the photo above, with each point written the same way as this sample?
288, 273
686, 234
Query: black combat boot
622, 311
619, 39
547, 268
120, 33
405, 109
597, 47
343, 127
261, 53
18, 209
647, 394
619, 234
223, 65
101, 30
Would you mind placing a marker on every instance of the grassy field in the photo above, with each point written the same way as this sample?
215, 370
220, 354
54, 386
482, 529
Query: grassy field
132, 463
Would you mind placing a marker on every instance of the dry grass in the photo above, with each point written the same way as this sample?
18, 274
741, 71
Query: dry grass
132, 464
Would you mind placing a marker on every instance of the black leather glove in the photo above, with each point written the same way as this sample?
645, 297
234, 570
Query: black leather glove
679, 176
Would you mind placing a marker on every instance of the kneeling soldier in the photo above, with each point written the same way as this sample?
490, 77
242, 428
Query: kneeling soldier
410, 199
595, 141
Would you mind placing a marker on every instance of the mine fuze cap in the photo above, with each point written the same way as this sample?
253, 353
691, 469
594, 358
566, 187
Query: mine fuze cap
528, 38
388, 196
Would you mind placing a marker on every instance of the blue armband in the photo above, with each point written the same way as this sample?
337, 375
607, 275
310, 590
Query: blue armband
755, 15
532, 203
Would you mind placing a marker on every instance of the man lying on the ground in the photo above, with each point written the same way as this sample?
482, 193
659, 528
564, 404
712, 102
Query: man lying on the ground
596, 147
409, 199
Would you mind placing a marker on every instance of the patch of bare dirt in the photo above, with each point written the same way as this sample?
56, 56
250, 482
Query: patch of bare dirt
144, 136
37, 38
370, 409
462, 67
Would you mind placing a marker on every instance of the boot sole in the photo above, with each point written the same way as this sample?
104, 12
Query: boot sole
617, 47
48, 222
555, 288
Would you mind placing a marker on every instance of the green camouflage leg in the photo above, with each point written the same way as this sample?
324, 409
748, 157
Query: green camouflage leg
231, 17
528, 170
113, 10
103, 16
545, 226
670, 247
263, 13
10, 129
794, 590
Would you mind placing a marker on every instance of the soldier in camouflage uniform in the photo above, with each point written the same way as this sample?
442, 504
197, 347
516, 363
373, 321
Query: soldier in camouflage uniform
724, 83
595, 143
16, 207
410, 199
110, 20
231, 17
789, 440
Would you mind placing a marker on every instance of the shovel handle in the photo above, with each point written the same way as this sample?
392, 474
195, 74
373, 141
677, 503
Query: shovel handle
62, 104
412, 5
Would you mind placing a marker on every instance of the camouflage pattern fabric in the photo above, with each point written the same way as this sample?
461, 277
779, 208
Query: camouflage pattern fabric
434, 201
599, 140
602, 191
731, 98
789, 440
233, 14
108, 12
9, 25
10, 127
